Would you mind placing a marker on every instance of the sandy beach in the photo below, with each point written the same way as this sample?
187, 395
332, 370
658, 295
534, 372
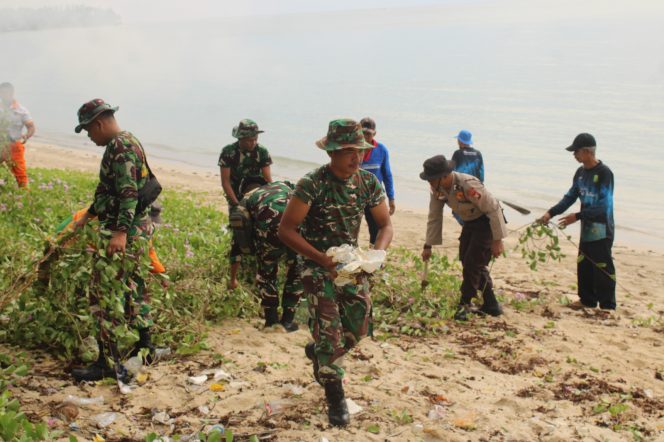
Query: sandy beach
534, 374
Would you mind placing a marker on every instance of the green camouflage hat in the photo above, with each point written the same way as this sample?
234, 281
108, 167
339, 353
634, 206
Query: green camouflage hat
343, 133
246, 129
91, 110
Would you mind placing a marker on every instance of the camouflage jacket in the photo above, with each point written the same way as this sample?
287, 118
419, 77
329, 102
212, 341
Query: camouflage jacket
336, 206
121, 174
266, 206
243, 163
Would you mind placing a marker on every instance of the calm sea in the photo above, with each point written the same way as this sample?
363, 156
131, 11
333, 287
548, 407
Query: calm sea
523, 79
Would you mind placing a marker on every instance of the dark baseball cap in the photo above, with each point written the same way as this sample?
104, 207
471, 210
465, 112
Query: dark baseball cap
91, 110
436, 167
368, 125
581, 141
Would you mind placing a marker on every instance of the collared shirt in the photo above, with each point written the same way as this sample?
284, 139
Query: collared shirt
470, 200
15, 118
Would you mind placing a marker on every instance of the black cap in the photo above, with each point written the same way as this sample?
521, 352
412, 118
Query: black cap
581, 141
436, 167
368, 124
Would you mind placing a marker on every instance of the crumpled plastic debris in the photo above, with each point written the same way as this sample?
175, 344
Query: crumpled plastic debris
162, 418
197, 380
103, 420
353, 260
436, 412
353, 408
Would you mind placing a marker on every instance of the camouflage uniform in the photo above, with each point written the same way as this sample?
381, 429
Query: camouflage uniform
123, 172
243, 164
339, 315
266, 206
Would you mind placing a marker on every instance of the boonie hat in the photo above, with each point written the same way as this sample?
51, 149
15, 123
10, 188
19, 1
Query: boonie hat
368, 125
465, 137
581, 141
341, 134
246, 129
436, 167
91, 110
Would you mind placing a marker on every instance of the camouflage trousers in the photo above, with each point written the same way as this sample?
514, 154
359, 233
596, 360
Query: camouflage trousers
133, 310
339, 318
268, 256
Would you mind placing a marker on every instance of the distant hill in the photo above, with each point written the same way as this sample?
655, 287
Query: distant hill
28, 19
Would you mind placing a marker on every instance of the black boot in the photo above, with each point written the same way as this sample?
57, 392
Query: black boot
287, 320
462, 312
337, 410
490, 305
144, 341
310, 351
99, 370
271, 316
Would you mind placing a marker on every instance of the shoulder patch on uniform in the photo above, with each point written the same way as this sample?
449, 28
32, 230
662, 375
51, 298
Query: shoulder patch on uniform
474, 194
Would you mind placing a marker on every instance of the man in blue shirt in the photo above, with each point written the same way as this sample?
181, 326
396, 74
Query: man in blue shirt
377, 161
468, 160
593, 185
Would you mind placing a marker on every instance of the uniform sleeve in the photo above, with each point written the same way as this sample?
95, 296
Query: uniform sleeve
126, 173
597, 212
488, 205
375, 189
305, 190
567, 201
435, 221
226, 157
265, 158
387, 176
25, 116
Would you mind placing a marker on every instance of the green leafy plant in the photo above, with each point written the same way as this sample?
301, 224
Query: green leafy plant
539, 243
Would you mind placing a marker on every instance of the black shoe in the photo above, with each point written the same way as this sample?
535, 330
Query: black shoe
337, 410
94, 372
271, 316
310, 351
491, 310
287, 320
463, 310
144, 341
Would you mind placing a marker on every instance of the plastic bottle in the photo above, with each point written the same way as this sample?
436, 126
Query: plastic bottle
83, 401
133, 365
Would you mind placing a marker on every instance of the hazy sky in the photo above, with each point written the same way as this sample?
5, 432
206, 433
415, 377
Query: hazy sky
158, 10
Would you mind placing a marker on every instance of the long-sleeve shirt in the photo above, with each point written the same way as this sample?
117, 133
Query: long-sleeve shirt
594, 187
470, 200
469, 161
377, 161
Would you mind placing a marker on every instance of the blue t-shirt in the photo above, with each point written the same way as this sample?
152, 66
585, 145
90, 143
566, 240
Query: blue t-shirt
378, 163
469, 161
594, 187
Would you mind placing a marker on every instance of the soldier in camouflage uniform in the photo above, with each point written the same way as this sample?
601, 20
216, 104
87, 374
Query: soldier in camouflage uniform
244, 158
266, 203
328, 206
123, 172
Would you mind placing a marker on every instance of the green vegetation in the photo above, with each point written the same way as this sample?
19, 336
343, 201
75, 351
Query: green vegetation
52, 312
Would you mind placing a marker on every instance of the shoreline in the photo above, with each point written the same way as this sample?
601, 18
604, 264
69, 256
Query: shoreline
46, 153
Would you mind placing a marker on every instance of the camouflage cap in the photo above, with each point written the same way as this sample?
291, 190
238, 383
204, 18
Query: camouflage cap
91, 110
246, 128
343, 133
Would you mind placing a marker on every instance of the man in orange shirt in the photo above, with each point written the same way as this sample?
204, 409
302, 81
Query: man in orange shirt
13, 118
